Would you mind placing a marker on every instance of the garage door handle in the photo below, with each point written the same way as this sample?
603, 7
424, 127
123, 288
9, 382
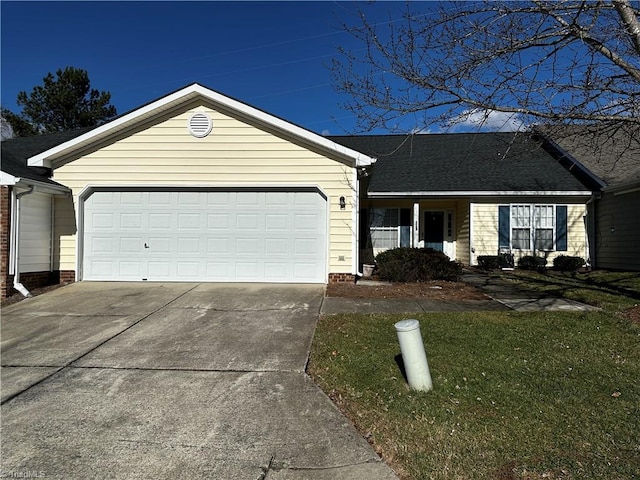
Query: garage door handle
146, 246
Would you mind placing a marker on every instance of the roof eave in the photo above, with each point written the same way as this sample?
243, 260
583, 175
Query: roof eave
623, 188
46, 158
45, 187
503, 193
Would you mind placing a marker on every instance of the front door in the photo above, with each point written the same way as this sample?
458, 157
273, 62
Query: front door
434, 230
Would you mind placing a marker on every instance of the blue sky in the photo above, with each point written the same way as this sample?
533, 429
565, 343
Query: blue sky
272, 55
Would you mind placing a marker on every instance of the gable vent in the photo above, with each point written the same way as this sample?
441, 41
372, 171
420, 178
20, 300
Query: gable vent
199, 125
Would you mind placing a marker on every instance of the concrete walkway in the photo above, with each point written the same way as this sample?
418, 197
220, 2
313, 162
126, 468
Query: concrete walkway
501, 295
198, 381
520, 299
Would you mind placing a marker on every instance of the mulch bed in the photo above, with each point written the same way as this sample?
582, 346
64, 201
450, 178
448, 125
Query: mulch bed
435, 290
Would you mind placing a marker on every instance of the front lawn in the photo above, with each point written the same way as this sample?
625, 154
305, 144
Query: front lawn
550, 395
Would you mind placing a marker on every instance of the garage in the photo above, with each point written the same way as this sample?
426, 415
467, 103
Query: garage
200, 235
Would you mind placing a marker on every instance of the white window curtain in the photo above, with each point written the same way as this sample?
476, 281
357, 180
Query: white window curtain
384, 226
532, 226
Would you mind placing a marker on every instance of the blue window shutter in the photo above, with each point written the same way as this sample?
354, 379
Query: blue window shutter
504, 216
561, 228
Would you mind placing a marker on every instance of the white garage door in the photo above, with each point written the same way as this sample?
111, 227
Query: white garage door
219, 236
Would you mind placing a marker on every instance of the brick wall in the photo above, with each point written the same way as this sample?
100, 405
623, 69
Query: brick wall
341, 277
5, 232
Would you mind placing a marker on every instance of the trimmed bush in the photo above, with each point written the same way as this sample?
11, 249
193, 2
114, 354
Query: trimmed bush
488, 262
567, 263
493, 262
416, 265
531, 262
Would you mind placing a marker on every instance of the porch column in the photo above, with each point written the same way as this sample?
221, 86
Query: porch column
416, 224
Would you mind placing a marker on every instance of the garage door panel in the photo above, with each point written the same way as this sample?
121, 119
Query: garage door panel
277, 247
231, 236
102, 245
218, 221
160, 221
248, 246
303, 272
188, 270
160, 245
218, 246
132, 198
189, 221
131, 269
161, 199
131, 245
276, 222
247, 270
248, 198
159, 269
277, 271
186, 199
103, 221
246, 221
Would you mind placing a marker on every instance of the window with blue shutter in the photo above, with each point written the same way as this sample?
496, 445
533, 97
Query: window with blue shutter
561, 228
503, 226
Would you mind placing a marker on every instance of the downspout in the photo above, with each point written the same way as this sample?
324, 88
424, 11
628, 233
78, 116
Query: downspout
16, 244
356, 221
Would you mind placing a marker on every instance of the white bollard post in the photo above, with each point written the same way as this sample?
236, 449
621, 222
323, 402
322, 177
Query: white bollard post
413, 354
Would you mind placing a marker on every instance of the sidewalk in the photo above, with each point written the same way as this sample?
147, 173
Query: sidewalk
519, 299
502, 295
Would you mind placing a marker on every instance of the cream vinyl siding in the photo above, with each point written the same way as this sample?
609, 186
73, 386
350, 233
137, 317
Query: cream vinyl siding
235, 153
462, 231
485, 229
618, 220
35, 233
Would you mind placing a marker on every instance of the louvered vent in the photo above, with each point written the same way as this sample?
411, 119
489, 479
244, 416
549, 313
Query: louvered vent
199, 125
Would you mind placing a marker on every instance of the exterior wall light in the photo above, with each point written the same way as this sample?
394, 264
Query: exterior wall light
343, 203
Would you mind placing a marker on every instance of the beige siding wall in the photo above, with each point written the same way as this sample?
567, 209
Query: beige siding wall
618, 238
35, 233
485, 230
462, 231
234, 153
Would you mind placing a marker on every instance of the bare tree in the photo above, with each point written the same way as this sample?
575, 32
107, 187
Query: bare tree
546, 62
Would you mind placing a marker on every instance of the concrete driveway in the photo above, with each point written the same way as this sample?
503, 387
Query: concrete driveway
148, 380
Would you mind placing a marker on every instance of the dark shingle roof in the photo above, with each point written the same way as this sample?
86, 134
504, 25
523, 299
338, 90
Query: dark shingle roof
15, 153
461, 162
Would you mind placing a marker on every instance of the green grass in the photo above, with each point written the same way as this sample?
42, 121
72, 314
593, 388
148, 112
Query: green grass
516, 395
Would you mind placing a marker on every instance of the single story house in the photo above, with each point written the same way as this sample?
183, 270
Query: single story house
195, 186
470, 194
198, 186
607, 160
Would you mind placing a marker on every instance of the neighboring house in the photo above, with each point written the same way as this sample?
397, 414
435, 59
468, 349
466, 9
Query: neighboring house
608, 160
470, 194
197, 186
26, 228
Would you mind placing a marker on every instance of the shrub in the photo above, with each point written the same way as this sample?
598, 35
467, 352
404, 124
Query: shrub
531, 262
416, 264
488, 262
491, 262
567, 263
